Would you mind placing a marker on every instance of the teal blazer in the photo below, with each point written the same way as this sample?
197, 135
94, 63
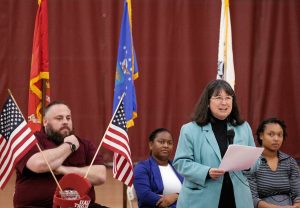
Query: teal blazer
196, 153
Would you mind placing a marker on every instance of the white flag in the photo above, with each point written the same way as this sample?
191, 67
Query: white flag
225, 57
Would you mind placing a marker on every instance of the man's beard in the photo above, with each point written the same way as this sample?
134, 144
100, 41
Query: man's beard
56, 136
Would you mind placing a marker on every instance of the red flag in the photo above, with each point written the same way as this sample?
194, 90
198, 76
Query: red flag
16, 139
116, 139
39, 68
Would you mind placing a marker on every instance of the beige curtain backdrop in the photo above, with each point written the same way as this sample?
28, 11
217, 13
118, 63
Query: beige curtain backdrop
176, 44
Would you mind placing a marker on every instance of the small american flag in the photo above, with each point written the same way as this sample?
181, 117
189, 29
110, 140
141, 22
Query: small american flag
16, 139
116, 139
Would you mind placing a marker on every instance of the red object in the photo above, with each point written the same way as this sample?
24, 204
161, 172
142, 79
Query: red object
75, 182
39, 68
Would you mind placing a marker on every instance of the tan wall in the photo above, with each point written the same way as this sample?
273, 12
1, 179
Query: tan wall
110, 194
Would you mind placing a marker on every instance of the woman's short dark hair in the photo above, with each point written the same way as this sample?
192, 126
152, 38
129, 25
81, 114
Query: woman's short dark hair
202, 114
154, 133
262, 126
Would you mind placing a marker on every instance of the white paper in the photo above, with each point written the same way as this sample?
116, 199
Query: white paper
240, 157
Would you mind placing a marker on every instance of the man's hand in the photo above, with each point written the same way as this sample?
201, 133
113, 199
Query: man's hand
55, 156
96, 176
61, 170
73, 139
166, 200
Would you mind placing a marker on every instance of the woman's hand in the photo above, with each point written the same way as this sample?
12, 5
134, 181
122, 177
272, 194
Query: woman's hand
215, 173
166, 200
263, 204
297, 204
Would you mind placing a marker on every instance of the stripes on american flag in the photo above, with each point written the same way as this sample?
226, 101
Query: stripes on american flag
116, 139
16, 139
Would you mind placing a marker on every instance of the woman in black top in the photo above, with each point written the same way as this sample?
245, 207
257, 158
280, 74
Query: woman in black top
201, 146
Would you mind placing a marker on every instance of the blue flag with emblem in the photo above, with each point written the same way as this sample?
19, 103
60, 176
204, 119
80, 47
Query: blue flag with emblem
126, 69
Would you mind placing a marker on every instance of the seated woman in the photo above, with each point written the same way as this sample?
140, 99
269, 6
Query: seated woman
276, 183
156, 182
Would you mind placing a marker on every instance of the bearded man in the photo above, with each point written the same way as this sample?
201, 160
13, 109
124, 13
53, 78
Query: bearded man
64, 152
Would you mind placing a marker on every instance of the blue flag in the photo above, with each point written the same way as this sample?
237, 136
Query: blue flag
126, 69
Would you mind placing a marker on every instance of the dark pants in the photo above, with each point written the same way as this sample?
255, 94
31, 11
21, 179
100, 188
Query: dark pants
227, 194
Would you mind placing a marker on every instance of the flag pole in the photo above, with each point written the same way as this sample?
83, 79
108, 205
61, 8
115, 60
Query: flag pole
43, 98
37, 144
226, 37
103, 136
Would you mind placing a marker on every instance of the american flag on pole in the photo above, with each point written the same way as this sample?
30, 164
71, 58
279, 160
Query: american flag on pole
225, 69
124, 104
16, 139
116, 139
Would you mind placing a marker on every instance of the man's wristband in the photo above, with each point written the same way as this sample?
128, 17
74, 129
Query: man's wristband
72, 146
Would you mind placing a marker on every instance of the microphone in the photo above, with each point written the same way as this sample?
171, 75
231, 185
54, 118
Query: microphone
230, 135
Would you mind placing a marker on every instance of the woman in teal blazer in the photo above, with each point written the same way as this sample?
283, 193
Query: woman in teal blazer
202, 144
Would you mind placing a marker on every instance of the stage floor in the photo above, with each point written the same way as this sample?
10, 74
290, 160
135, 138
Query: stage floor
109, 194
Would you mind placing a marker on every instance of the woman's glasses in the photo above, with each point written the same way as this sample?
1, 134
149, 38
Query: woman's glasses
219, 99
